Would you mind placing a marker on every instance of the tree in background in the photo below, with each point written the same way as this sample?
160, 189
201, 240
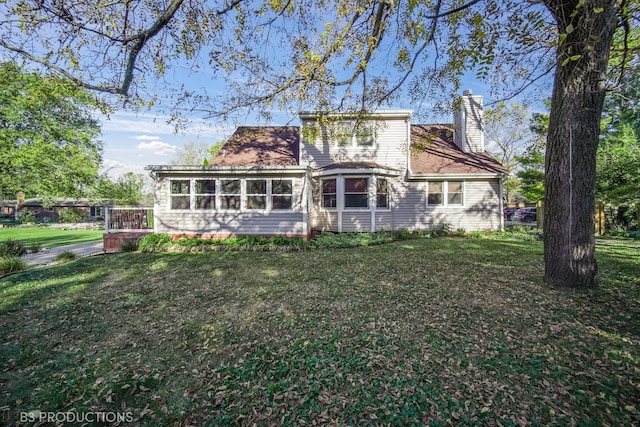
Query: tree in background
196, 153
48, 136
128, 189
531, 174
192, 153
507, 135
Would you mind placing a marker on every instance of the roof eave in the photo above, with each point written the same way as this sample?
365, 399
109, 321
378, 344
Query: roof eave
252, 169
391, 114
481, 175
357, 171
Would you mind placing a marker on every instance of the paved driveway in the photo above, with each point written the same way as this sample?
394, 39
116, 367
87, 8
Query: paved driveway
47, 256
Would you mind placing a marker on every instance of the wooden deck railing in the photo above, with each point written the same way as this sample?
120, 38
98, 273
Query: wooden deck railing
129, 219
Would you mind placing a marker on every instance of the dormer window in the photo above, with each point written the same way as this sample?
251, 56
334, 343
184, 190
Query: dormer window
354, 134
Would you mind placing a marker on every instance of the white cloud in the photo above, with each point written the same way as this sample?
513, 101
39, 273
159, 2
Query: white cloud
116, 168
146, 138
157, 124
156, 147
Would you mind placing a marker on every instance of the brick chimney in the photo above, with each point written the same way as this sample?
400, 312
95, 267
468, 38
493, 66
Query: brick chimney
468, 123
20, 197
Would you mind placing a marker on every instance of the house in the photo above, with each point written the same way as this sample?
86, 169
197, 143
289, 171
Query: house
51, 211
340, 174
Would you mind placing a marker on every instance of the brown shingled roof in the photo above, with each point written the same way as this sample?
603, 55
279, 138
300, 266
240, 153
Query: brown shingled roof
434, 152
260, 146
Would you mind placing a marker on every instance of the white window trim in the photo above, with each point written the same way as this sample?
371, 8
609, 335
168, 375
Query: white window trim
344, 194
266, 194
375, 194
353, 144
170, 195
270, 194
242, 194
195, 195
337, 193
372, 195
445, 194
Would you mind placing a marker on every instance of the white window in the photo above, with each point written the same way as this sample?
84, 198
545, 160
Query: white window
230, 194
329, 193
382, 193
354, 134
282, 194
445, 193
364, 135
180, 194
256, 194
454, 193
205, 194
356, 192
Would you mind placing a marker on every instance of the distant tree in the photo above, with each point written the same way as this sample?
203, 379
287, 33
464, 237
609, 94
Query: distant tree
128, 189
531, 173
618, 168
215, 148
507, 134
48, 135
192, 153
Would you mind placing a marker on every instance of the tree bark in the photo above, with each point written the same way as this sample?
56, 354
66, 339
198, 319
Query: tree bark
572, 141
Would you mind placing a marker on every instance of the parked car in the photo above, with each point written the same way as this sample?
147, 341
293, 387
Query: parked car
508, 212
525, 215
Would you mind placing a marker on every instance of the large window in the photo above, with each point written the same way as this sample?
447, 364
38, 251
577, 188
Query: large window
382, 193
329, 194
180, 194
454, 193
445, 193
230, 191
356, 192
256, 193
230, 194
281, 194
205, 194
435, 193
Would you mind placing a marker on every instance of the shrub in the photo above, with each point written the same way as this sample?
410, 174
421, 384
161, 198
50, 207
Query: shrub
12, 248
34, 247
155, 243
129, 246
72, 215
11, 264
65, 256
441, 229
26, 216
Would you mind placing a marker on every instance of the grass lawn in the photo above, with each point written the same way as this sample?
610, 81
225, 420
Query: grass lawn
445, 331
49, 237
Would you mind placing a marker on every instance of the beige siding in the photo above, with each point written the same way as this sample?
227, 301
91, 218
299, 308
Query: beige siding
481, 209
389, 149
356, 221
325, 221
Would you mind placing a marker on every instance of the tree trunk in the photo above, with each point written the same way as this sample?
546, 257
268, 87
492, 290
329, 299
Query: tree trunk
572, 141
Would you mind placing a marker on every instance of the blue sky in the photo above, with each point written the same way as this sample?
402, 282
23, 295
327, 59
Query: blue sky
133, 140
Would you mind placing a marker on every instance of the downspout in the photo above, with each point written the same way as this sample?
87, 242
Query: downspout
154, 177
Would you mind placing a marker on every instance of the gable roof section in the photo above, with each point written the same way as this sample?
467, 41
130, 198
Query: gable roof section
260, 146
434, 152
